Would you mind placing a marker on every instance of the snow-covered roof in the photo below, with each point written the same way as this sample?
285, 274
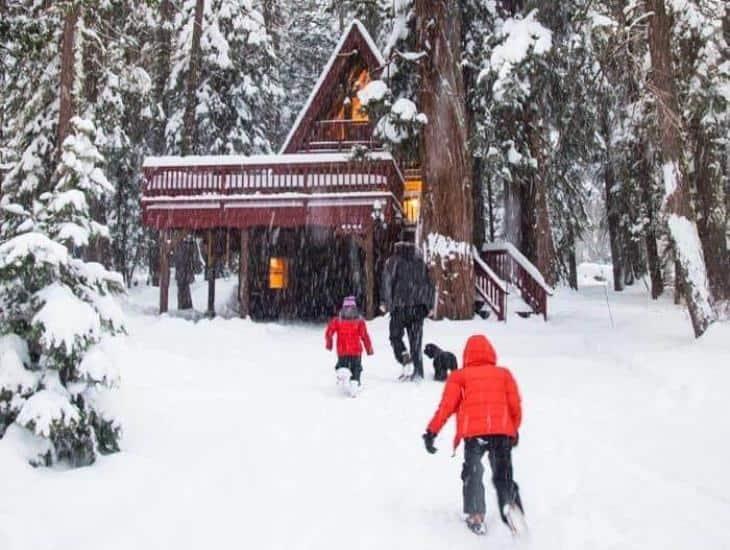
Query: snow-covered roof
251, 160
328, 67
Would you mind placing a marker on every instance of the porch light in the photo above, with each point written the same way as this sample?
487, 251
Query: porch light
278, 273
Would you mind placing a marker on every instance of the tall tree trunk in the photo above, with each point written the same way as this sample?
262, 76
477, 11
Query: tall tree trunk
650, 237
163, 48
490, 207
448, 209
68, 73
677, 205
572, 263
162, 64
711, 218
613, 214
189, 137
544, 245
478, 198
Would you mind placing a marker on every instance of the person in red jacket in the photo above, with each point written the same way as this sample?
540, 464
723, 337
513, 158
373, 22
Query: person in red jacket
488, 411
352, 334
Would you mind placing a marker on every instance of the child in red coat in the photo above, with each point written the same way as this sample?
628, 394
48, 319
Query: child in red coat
352, 334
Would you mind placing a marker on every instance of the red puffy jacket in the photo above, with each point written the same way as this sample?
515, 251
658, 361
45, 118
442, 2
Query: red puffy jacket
484, 396
350, 332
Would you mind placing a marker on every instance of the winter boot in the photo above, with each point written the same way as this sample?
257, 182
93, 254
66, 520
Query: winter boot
475, 523
353, 388
514, 517
343, 377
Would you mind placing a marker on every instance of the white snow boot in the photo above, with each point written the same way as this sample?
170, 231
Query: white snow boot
343, 377
353, 388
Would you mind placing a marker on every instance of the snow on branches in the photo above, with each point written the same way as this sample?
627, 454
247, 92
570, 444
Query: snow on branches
56, 313
398, 120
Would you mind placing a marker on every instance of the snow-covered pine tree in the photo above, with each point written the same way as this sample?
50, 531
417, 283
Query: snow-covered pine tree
55, 310
309, 38
237, 92
118, 95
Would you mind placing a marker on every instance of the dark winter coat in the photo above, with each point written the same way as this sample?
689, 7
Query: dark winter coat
406, 282
351, 333
483, 396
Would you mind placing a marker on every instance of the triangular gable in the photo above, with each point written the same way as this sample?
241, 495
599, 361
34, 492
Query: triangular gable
356, 37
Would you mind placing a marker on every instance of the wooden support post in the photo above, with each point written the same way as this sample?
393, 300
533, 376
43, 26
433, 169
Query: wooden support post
369, 273
164, 269
228, 249
211, 274
243, 277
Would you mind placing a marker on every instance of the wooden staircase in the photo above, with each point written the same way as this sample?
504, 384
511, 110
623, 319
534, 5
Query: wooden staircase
499, 266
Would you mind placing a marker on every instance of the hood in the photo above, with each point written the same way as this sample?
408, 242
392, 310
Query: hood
479, 352
349, 313
405, 250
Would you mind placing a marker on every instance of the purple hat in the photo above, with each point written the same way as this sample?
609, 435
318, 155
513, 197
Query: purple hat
349, 301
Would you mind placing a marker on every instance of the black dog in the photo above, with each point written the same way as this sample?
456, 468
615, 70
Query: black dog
443, 361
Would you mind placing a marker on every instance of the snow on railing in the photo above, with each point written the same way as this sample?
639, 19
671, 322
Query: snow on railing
520, 258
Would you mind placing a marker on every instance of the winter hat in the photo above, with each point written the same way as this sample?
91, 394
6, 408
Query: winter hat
349, 301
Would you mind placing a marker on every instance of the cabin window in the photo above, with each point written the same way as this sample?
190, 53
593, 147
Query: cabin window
278, 273
412, 199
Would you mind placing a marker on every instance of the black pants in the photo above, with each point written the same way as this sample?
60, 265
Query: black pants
353, 363
408, 319
499, 448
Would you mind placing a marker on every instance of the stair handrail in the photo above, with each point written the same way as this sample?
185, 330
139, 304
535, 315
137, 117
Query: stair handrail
524, 275
491, 287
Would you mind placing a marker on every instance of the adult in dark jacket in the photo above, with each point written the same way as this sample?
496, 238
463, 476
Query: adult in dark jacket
408, 294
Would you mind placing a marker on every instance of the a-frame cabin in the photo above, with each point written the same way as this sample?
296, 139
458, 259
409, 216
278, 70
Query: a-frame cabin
315, 222
310, 224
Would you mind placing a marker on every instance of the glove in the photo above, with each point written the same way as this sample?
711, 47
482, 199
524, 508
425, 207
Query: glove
428, 439
516, 439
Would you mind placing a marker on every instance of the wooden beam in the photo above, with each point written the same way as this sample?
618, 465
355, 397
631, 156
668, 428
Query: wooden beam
164, 269
369, 273
243, 277
211, 274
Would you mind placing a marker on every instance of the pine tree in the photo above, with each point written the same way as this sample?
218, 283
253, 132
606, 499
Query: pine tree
56, 309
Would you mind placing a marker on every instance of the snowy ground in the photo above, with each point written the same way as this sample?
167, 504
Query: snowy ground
236, 437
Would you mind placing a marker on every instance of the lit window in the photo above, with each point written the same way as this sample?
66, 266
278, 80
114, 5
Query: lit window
278, 273
413, 186
412, 208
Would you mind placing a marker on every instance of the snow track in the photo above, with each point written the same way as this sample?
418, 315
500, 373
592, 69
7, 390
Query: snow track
236, 436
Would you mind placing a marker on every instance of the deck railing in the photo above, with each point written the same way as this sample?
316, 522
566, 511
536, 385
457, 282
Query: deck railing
354, 176
340, 135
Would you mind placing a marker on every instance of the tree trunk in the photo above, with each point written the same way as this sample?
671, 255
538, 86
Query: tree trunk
490, 207
189, 136
163, 55
448, 208
711, 218
572, 263
68, 73
650, 237
677, 205
545, 257
478, 198
613, 214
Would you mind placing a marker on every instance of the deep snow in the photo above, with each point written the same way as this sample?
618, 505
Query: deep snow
237, 437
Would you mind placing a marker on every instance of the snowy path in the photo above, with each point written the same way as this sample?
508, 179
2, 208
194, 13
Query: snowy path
237, 438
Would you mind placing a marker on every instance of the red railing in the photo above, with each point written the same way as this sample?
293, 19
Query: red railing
489, 286
509, 269
352, 176
340, 135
